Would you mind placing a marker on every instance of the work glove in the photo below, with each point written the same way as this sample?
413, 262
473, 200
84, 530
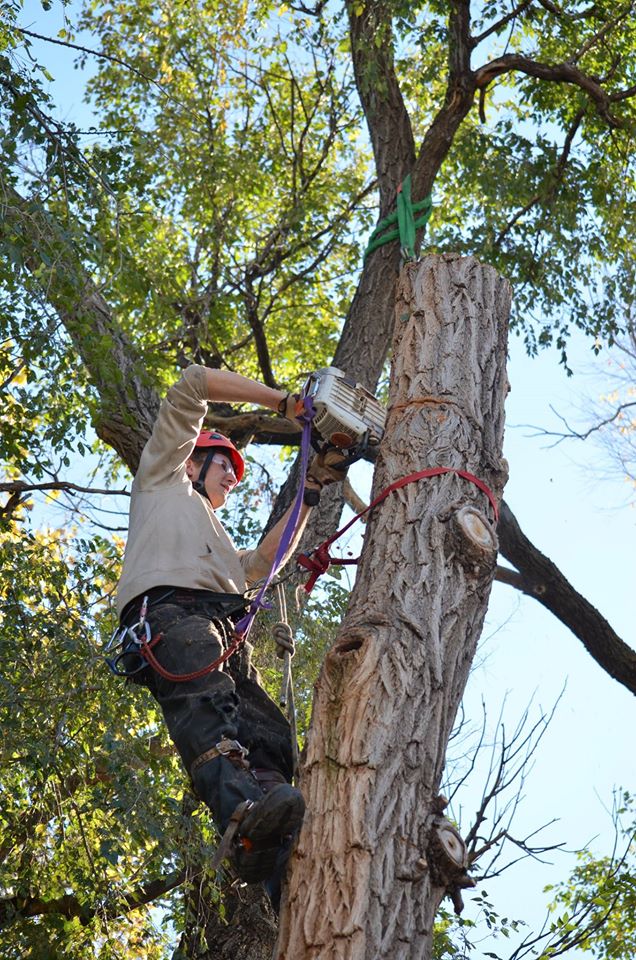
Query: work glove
291, 407
328, 467
284, 640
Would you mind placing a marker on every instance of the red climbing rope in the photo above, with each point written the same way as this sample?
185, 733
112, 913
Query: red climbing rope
320, 560
146, 650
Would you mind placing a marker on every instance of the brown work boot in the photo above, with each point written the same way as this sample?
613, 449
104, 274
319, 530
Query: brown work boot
263, 830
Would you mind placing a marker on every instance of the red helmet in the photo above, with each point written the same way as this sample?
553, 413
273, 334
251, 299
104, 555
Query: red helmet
209, 438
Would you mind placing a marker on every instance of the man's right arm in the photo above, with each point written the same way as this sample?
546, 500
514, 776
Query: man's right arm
181, 416
175, 431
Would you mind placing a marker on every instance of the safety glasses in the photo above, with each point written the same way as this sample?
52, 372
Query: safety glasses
226, 464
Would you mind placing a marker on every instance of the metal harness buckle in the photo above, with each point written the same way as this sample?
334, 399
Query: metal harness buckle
231, 749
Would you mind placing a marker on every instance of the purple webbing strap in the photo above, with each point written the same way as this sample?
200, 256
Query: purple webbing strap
244, 625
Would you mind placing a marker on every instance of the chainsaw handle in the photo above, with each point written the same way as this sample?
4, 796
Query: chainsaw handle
357, 451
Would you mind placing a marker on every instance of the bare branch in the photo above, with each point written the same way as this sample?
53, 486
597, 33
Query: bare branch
497, 27
544, 581
535, 853
574, 434
553, 73
512, 577
510, 763
472, 756
21, 486
507, 771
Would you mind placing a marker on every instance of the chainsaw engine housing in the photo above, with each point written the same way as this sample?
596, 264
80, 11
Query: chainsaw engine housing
346, 413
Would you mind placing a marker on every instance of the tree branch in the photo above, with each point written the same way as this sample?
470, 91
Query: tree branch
96, 53
496, 27
387, 118
21, 486
13, 908
541, 579
460, 96
560, 12
129, 403
607, 26
553, 73
260, 340
557, 178
574, 434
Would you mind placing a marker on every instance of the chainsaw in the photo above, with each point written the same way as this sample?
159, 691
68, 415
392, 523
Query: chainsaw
347, 415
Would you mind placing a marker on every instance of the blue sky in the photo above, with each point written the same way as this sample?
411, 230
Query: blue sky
581, 518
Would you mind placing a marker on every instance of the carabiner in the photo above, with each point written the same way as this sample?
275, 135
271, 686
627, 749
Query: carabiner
128, 638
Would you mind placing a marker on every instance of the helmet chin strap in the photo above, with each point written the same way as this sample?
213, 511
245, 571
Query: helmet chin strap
199, 483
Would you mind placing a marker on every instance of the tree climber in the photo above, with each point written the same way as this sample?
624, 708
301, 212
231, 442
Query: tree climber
232, 738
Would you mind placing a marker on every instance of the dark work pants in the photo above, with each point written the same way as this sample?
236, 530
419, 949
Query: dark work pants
224, 704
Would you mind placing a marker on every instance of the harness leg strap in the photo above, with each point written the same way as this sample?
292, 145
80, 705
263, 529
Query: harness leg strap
231, 749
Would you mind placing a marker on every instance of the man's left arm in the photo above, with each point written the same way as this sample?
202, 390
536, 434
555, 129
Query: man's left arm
325, 468
269, 544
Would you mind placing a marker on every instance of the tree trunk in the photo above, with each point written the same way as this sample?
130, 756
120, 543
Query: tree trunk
128, 400
369, 870
245, 928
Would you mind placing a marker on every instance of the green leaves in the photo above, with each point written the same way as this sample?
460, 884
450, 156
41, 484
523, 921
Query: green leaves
77, 801
241, 185
596, 906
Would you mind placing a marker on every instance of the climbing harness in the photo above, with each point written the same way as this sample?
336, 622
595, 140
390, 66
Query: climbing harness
319, 561
135, 642
407, 224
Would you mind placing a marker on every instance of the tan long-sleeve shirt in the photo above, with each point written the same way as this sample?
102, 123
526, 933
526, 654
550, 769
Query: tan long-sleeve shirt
174, 537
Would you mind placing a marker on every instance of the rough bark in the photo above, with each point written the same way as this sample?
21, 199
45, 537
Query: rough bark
247, 930
363, 881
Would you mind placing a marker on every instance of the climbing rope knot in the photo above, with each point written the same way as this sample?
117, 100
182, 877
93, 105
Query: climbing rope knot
284, 639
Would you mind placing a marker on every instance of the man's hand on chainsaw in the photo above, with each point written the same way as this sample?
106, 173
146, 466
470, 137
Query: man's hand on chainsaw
327, 467
291, 407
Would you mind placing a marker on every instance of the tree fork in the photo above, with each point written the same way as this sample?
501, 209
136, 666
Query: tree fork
361, 883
